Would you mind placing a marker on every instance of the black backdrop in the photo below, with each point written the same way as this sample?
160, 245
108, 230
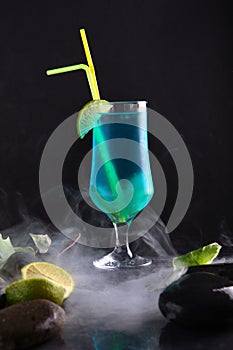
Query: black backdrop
175, 54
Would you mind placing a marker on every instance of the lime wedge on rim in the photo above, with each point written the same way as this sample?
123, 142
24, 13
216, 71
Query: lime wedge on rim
89, 115
34, 288
52, 272
201, 256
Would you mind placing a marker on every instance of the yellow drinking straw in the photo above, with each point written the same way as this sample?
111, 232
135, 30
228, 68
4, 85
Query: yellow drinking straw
90, 63
89, 69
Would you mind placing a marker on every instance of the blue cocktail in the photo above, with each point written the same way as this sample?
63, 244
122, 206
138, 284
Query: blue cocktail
121, 182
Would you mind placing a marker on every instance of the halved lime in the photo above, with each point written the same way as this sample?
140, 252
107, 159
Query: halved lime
201, 256
52, 272
89, 114
34, 288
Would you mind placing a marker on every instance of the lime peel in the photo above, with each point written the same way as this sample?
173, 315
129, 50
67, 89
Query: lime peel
89, 115
49, 271
34, 288
201, 256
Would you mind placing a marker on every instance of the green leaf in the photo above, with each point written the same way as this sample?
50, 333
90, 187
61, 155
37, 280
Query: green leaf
6, 248
1, 281
29, 250
42, 242
201, 256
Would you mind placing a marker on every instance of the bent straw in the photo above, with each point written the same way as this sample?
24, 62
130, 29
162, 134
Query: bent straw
90, 70
73, 68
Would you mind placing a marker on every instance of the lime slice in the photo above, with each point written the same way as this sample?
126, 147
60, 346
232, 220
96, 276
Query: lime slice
52, 272
201, 256
34, 288
89, 114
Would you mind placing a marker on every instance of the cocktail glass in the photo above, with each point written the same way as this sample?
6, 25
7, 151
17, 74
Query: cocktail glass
121, 183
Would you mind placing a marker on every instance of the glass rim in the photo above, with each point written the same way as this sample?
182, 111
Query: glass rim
128, 102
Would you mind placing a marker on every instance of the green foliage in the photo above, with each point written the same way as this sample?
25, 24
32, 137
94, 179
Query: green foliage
201, 256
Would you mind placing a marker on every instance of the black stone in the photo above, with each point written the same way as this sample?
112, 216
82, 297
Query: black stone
198, 299
30, 323
221, 269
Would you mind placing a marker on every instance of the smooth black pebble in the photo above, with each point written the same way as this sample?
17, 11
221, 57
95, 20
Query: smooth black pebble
198, 299
29, 323
221, 269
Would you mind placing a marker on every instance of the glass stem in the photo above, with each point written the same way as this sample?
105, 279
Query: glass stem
122, 239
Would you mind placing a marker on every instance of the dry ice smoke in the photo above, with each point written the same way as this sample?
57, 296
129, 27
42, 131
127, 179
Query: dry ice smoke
107, 308
123, 302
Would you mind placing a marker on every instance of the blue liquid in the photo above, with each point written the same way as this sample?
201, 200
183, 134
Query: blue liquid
120, 187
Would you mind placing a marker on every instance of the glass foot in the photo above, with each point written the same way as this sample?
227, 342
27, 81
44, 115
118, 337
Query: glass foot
115, 260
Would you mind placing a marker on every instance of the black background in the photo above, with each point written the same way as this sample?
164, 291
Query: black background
175, 54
